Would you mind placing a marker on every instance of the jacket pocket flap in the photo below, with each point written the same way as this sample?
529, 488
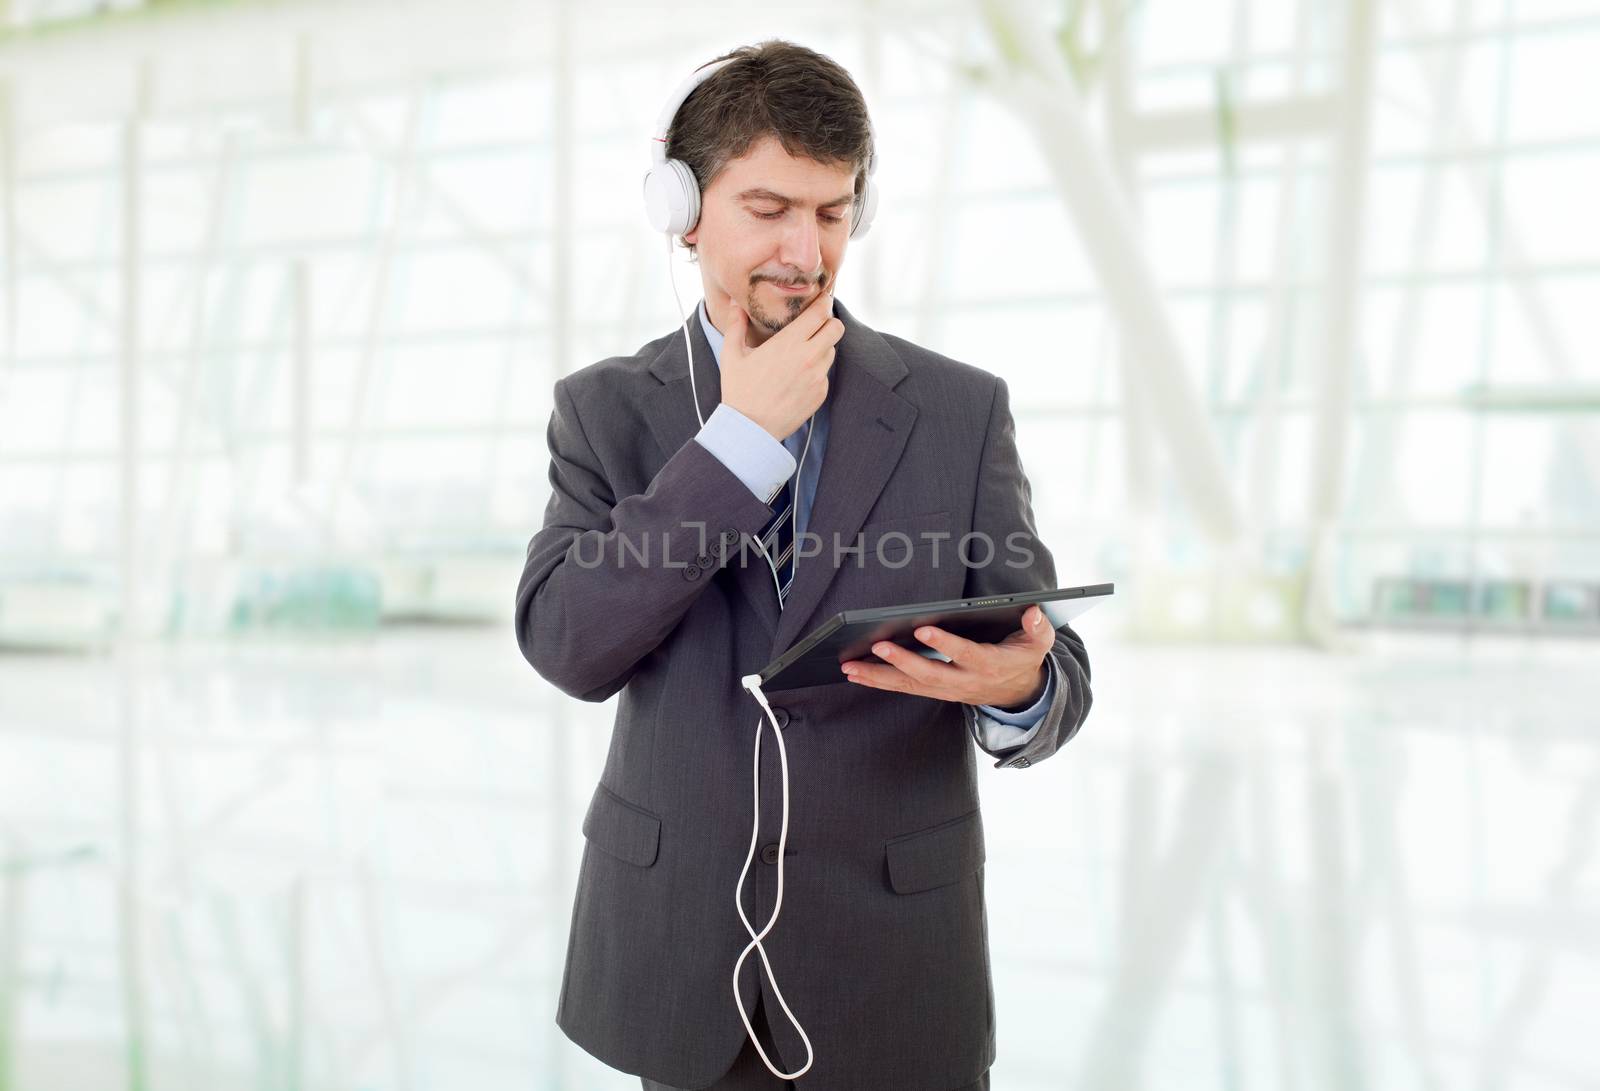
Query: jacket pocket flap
937, 856
627, 832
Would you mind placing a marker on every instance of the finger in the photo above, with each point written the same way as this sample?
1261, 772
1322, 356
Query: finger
879, 676
828, 333
737, 324
1041, 633
1036, 631
817, 312
966, 653
920, 668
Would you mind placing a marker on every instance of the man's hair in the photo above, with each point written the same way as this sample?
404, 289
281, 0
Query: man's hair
775, 88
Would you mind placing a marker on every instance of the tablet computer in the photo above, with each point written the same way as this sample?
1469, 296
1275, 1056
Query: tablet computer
815, 660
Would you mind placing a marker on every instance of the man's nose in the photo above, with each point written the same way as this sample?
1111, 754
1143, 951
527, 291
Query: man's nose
802, 245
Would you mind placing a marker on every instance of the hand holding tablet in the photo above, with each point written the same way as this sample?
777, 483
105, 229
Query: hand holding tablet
852, 634
1008, 674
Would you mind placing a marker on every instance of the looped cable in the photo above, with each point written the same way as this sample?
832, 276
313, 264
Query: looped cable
753, 684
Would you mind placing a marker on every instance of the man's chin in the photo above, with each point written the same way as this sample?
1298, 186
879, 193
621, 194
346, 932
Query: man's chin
766, 319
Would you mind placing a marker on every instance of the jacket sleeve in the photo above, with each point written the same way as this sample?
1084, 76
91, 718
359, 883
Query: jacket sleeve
606, 579
1003, 510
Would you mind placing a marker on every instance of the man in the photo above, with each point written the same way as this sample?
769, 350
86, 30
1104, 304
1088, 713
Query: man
641, 583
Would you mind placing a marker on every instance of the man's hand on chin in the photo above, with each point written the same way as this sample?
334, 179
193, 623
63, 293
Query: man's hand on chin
1009, 674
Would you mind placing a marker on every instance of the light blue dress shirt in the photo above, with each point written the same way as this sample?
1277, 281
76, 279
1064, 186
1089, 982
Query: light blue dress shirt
764, 464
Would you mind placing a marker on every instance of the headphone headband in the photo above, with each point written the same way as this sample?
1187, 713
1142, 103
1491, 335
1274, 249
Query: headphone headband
658, 135
671, 193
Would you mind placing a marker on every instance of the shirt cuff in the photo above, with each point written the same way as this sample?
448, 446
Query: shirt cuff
1031, 715
747, 450
1000, 730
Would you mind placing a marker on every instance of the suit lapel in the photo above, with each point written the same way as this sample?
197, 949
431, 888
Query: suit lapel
670, 407
670, 412
868, 428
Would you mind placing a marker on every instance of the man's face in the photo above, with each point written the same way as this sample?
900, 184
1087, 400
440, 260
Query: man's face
767, 221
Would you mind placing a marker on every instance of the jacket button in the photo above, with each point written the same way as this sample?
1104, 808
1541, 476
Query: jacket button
730, 536
704, 560
691, 573
781, 714
769, 854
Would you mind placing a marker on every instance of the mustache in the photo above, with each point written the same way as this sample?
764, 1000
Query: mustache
822, 279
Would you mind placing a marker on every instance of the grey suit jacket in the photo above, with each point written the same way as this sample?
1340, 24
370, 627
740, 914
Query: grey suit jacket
881, 948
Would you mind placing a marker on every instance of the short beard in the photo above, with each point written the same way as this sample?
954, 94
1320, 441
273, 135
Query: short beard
794, 308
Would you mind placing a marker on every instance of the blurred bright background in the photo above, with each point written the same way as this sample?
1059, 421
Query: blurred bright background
1299, 305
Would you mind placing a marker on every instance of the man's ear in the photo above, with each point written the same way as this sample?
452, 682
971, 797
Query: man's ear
692, 236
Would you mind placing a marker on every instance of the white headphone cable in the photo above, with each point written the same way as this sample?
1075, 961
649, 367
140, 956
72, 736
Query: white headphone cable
752, 683
688, 345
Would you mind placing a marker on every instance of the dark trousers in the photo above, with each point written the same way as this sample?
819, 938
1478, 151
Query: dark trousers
750, 1074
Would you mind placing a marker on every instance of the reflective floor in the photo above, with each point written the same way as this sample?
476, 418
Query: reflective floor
350, 866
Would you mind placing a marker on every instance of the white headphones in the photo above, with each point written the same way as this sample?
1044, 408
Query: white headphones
671, 194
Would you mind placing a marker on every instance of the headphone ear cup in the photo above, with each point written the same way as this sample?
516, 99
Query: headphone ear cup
671, 197
866, 210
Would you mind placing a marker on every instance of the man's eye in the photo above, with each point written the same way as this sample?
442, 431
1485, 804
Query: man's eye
775, 215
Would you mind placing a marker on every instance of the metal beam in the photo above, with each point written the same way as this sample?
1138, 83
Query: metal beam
564, 725
1043, 92
1533, 397
8, 236
182, 470
1265, 122
130, 915
935, 233
1553, 347
1341, 309
1138, 432
300, 291
1375, 484
399, 220
12, 906
494, 243
1277, 341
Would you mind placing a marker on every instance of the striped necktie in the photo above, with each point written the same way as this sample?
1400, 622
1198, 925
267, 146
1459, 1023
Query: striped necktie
777, 537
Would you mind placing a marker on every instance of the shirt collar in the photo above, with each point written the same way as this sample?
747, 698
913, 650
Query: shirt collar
713, 335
